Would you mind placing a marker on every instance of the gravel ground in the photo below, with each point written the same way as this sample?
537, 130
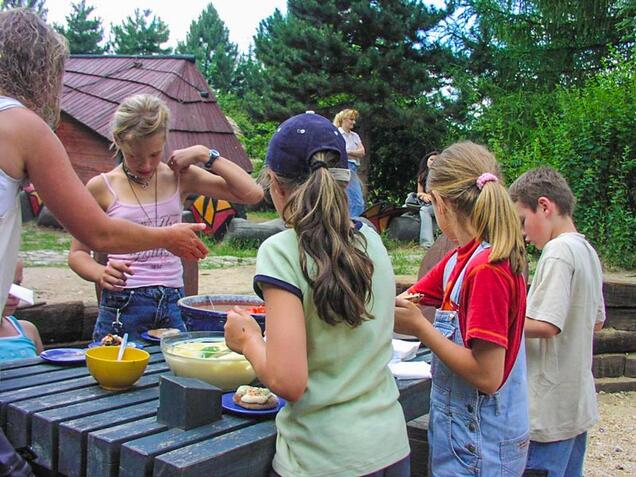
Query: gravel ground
612, 442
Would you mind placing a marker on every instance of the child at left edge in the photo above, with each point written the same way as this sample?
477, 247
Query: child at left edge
18, 338
478, 419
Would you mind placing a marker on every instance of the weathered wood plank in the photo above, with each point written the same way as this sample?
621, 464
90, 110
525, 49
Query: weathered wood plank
621, 318
18, 418
18, 363
608, 365
415, 400
51, 389
136, 457
73, 434
248, 451
619, 294
103, 446
44, 425
610, 340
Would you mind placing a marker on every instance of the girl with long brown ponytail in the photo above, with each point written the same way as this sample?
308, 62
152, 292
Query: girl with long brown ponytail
328, 287
479, 401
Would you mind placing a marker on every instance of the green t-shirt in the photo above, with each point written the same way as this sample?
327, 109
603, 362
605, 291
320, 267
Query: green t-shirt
348, 422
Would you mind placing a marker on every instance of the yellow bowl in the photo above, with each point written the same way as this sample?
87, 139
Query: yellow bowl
185, 353
112, 374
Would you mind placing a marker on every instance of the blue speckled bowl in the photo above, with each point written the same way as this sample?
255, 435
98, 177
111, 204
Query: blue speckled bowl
198, 315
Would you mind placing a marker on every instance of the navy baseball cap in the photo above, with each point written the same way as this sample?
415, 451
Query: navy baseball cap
297, 139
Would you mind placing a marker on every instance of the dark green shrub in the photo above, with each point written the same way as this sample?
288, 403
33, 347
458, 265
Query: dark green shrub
589, 135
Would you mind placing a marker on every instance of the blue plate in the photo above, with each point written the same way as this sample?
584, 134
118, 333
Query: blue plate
229, 405
64, 355
147, 337
131, 344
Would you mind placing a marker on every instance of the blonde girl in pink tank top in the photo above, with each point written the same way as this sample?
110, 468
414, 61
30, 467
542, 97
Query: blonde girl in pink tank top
140, 290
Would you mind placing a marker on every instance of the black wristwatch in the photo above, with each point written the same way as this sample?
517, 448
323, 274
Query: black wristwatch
213, 155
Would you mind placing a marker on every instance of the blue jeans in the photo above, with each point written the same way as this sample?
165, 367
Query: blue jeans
136, 310
354, 192
557, 459
426, 225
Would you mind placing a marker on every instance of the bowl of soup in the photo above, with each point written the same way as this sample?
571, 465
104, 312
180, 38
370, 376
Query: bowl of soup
209, 312
205, 356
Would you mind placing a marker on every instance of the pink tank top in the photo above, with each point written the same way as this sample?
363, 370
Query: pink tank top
152, 267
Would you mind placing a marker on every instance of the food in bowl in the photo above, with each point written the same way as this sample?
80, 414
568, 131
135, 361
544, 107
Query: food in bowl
252, 397
204, 355
110, 340
209, 312
112, 374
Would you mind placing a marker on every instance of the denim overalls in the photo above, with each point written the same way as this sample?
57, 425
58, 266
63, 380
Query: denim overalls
472, 433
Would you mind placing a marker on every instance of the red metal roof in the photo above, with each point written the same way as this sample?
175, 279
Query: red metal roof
95, 85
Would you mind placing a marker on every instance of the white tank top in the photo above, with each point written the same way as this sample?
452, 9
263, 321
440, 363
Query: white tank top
10, 221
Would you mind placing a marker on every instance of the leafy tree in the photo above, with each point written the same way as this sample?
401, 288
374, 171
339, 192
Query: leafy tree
137, 35
83, 34
38, 6
216, 56
534, 45
374, 56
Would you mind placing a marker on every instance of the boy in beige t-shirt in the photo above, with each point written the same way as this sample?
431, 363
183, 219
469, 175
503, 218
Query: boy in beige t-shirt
565, 306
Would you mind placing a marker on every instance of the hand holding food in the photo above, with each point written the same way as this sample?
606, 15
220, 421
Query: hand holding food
412, 297
114, 275
251, 397
240, 327
408, 318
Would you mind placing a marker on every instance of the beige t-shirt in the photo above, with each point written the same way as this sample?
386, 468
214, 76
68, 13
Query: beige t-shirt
566, 291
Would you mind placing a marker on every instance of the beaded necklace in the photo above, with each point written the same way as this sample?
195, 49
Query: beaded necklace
136, 179
139, 202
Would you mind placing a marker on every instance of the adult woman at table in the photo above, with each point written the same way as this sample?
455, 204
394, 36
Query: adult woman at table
345, 121
32, 57
328, 287
140, 290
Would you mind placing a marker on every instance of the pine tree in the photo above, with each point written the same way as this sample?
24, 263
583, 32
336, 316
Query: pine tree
376, 57
83, 35
38, 6
216, 56
138, 36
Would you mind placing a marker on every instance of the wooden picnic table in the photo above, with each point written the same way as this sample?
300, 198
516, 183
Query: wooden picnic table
75, 428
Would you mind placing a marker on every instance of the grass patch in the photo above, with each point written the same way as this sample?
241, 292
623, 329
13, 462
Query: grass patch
43, 238
262, 215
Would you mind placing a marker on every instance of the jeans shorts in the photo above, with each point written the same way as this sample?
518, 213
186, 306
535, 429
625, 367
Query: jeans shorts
138, 310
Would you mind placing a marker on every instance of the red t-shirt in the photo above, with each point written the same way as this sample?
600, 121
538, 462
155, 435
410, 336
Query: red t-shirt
492, 300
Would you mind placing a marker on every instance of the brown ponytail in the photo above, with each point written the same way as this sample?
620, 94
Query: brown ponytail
340, 275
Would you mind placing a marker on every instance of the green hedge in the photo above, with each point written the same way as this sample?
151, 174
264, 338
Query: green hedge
589, 135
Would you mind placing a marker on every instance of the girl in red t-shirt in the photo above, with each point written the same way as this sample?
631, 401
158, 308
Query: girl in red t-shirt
479, 413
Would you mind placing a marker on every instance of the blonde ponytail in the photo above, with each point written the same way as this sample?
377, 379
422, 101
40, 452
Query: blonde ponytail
485, 205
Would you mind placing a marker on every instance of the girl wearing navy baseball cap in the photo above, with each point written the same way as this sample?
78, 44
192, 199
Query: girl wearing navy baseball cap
329, 293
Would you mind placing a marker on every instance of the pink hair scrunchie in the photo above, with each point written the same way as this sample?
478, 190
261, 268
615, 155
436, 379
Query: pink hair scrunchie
485, 177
